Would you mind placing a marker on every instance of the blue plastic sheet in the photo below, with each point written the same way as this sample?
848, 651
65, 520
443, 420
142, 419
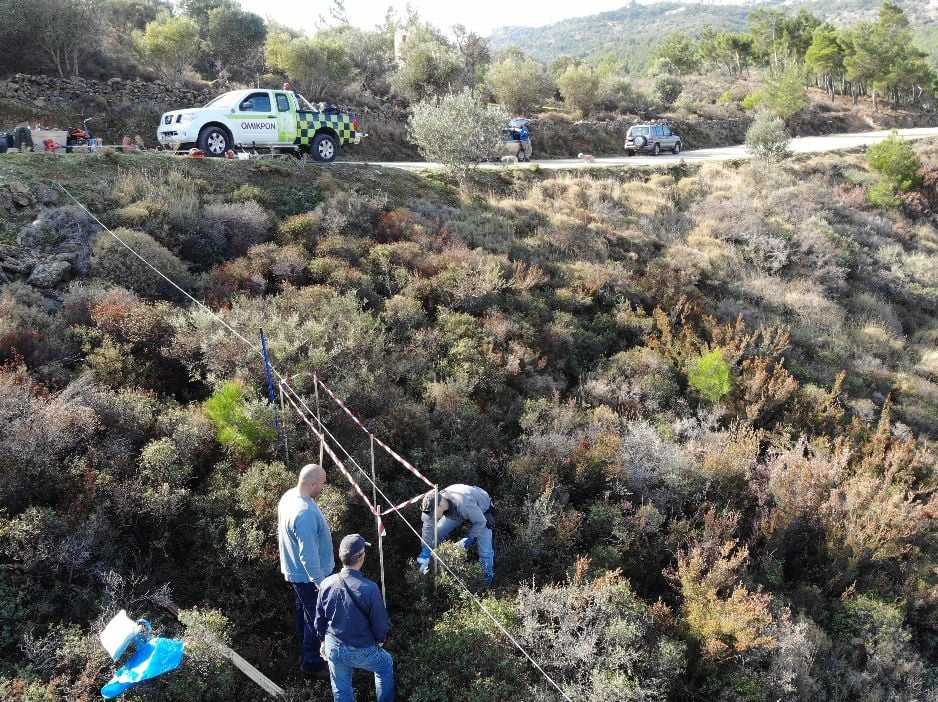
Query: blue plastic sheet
153, 657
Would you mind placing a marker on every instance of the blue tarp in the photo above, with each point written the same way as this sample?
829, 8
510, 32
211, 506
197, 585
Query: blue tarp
153, 657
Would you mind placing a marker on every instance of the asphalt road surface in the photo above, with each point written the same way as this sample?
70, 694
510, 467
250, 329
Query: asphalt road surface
814, 144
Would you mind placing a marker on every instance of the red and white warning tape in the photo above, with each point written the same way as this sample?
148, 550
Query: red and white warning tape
341, 466
411, 501
391, 452
394, 454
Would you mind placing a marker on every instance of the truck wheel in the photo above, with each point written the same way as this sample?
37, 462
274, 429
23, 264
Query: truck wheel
213, 141
677, 148
325, 148
657, 149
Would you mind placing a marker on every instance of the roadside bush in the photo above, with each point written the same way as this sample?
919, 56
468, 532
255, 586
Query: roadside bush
767, 137
896, 160
115, 263
457, 130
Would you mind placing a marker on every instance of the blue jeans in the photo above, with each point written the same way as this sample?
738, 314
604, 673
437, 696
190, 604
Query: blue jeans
445, 527
343, 660
306, 594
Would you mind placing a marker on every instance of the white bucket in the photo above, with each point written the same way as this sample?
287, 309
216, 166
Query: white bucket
119, 633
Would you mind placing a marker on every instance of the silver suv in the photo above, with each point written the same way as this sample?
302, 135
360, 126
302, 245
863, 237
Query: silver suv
652, 137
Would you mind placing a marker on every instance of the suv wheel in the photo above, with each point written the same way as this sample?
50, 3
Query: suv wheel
640, 141
656, 149
629, 152
213, 141
677, 148
325, 148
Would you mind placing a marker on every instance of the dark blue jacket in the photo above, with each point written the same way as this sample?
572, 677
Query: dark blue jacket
337, 615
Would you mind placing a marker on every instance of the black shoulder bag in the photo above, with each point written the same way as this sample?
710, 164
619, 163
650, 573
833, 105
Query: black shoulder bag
348, 591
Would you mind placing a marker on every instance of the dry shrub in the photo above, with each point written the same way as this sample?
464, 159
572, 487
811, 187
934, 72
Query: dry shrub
599, 640
476, 228
720, 176
799, 481
728, 458
726, 617
244, 224
869, 307
568, 237
928, 363
525, 217
802, 300
43, 434
876, 338
822, 254
720, 261
634, 382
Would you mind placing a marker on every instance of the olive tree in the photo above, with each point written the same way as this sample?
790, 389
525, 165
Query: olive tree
580, 87
520, 83
457, 130
767, 137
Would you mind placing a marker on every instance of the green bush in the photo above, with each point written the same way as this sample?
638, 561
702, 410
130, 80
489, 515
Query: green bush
711, 375
896, 161
753, 100
883, 194
236, 428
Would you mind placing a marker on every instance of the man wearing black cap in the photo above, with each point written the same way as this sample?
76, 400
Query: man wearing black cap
457, 504
353, 623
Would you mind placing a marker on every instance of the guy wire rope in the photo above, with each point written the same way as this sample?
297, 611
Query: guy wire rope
324, 431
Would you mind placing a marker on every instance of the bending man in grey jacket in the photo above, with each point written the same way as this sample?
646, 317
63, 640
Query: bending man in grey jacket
305, 558
457, 504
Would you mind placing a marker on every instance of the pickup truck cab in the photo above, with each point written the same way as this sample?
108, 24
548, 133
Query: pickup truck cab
272, 119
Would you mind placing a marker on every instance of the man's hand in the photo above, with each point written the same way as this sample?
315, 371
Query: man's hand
467, 541
322, 650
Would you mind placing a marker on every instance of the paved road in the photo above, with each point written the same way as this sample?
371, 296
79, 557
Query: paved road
814, 144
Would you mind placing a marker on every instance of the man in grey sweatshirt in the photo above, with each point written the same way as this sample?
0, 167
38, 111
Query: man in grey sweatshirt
456, 504
306, 559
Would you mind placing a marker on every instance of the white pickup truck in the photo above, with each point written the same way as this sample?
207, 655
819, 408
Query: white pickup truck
279, 119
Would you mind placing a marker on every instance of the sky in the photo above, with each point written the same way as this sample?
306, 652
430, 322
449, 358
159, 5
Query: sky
481, 16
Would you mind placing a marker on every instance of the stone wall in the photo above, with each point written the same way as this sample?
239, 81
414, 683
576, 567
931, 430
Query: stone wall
54, 94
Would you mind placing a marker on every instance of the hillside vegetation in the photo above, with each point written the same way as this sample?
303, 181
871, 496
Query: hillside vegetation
704, 401
630, 35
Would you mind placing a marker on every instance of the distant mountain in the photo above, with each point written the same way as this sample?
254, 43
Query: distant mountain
630, 34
